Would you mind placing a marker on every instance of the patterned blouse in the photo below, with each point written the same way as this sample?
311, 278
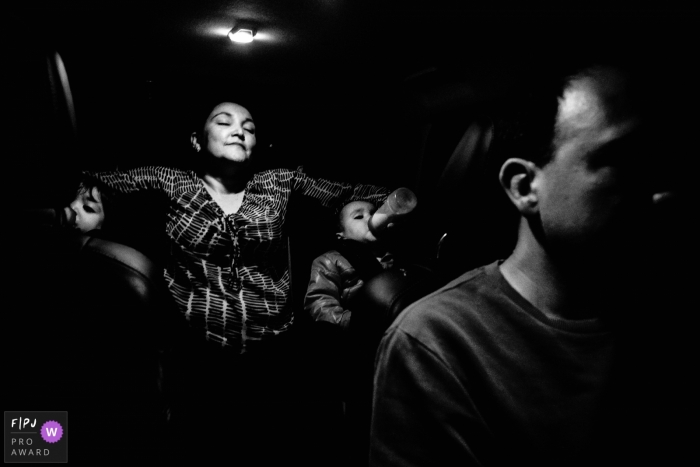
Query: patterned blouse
229, 274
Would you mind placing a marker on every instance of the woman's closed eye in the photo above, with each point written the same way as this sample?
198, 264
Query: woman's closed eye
88, 209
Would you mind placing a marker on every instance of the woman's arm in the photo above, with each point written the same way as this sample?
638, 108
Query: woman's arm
333, 194
142, 178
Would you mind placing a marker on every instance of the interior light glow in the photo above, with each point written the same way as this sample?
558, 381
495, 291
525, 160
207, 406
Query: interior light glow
242, 36
219, 31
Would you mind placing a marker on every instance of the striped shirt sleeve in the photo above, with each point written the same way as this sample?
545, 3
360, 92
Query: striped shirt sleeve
162, 179
336, 194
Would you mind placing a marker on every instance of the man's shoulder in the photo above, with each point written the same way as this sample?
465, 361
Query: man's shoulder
480, 280
454, 304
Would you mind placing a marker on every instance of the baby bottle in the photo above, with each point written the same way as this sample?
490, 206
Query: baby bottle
399, 203
67, 219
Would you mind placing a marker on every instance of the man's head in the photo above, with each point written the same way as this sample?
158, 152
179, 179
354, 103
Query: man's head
353, 221
583, 183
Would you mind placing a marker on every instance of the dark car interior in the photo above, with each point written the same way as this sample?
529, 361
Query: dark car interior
396, 94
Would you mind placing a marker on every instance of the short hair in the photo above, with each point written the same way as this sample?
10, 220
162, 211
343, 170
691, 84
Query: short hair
526, 126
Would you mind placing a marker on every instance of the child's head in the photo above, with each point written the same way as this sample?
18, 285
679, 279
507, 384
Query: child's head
88, 207
353, 221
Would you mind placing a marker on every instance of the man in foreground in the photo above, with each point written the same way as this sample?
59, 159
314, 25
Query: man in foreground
525, 361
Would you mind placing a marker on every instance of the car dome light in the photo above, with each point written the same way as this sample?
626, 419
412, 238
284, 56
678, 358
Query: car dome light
242, 35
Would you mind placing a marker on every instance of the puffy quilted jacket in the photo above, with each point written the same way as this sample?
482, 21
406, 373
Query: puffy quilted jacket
333, 284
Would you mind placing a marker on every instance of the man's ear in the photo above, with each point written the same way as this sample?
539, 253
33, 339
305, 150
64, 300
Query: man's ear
195, 142
516, 178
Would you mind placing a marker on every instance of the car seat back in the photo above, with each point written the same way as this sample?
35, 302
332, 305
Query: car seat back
95, 318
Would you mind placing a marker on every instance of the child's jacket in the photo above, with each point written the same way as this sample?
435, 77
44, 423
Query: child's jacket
335, 281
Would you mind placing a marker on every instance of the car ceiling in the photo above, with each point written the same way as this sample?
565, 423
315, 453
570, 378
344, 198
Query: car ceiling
298, 34
334, 60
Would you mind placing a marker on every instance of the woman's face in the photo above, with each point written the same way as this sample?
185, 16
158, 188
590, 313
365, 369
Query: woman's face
229, 133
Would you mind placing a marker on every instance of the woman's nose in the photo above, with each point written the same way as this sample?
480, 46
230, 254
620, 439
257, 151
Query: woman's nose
237, 131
